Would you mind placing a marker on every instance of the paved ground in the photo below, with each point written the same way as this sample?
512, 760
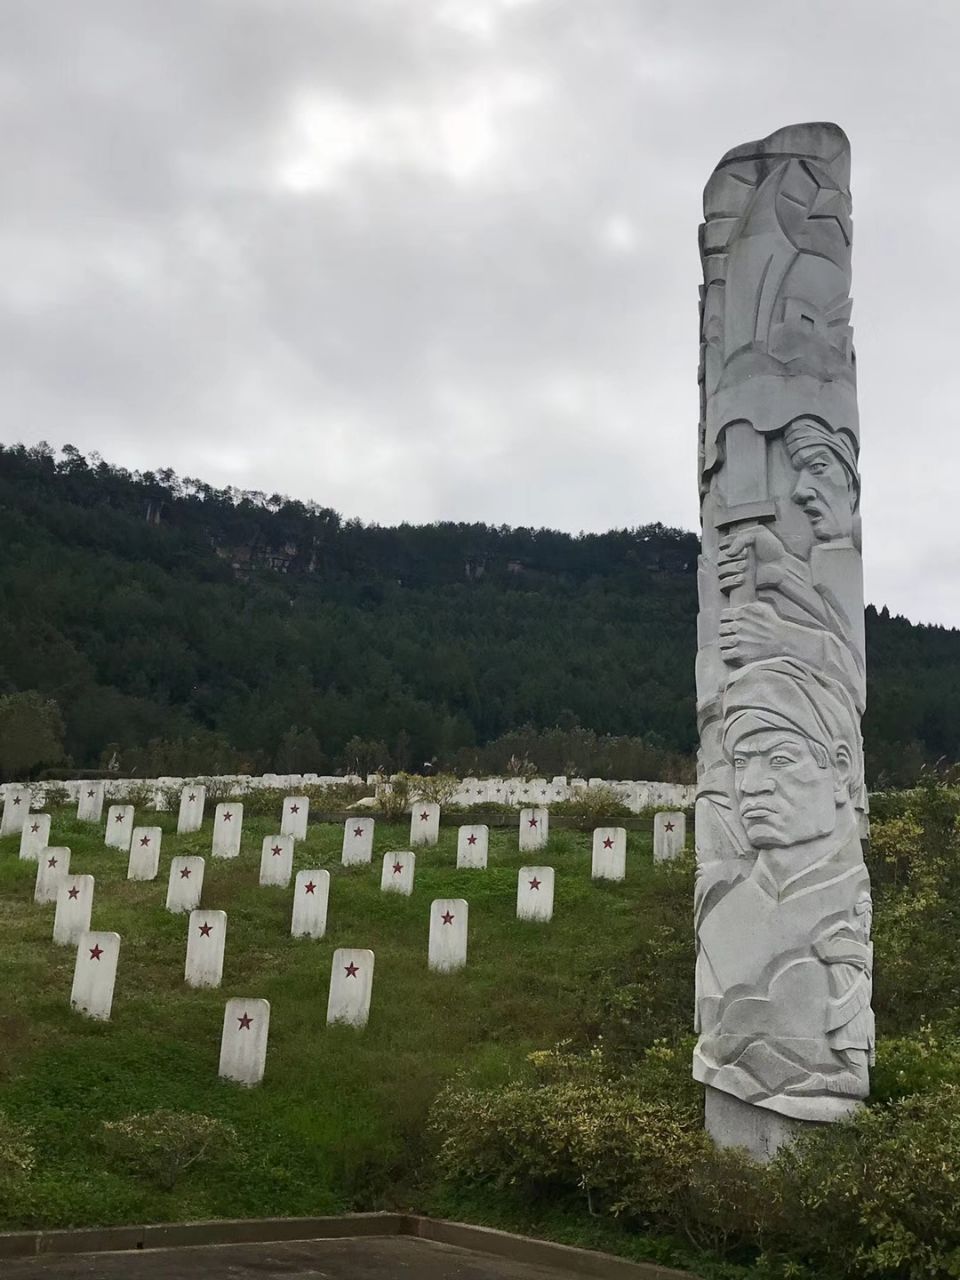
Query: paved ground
377, 1258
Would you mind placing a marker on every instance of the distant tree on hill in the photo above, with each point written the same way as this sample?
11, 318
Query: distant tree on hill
31, 733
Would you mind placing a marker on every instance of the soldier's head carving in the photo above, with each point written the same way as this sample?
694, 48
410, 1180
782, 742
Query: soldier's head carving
827, 488
792, 738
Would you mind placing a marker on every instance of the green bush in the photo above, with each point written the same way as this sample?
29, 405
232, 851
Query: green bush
161, 1145
593, 805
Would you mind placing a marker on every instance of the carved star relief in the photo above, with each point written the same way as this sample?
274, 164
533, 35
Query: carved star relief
118, 817
90, 795
830, 202
192, 798
309, 887
35, 827
294, 808
447, 917
397, 868
73, 892
246, 1022
206, 930
228, 817
358, 831
277, 850
185, 873
532, 822
534, 883
16, 800
96, 952
351, 970
51, 862
424, 817
668, 826
471, 839
608, 843
144, 841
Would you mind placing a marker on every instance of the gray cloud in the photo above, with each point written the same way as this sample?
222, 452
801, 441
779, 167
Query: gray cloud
423, 260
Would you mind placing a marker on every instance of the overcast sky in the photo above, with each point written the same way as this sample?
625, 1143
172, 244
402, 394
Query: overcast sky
437, 259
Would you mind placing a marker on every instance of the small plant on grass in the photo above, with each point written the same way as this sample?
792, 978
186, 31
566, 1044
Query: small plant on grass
159, 1146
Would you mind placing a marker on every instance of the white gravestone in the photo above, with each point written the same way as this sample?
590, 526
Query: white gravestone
190, 817
424, 823
351, 985
227, 829
669, 836
609, 853
472, 845
311, 894
74, 905
243, 1044
185, 884
206, 938
535, 893
357, 841
95, 973
397, 873
16, 806
534, 829
90, 802
52, 865
144, 861
447, 949
296, 810
119, 827
276, 860
35, 836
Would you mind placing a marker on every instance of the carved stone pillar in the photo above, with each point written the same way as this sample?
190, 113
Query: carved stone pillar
783, 905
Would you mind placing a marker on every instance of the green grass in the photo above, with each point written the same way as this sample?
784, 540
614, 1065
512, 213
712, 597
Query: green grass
339, 1121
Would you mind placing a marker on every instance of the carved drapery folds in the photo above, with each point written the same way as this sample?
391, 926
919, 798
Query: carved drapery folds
783, 899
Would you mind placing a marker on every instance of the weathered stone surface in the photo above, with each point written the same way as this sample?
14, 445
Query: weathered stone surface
16, 806
243, 1042
192, 800
276, 860
53, 864
351, 986
669, 836
227, 830
293, 822
90, 802
609, 861
534, 829
185, 884
783, 904
472, 844
35, 836
397, 873
535, 893
424, 823
206, 939
447, 948
357, 841
144, 861
95, 973
311, 896
74, 905
119, 829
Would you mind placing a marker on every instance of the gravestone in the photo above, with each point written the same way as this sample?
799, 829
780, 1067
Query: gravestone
119, 829
351, 986
90, 802
609, 860
276, 860
783, 904
534, 829
472, 844
669, 836
357, 841
227, 830
447, 949
190, 817
35, 836
397, 873
243, 1042
296, 810
74, 905
16, 806
206, 939
424, 823
144, 861
53, 864
535, 893
185, 884
94, 974
311, 895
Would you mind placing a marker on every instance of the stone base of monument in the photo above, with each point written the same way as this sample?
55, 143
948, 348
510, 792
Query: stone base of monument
732, 1123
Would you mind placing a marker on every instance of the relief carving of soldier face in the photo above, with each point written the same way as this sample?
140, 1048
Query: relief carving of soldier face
824, 492
785, 793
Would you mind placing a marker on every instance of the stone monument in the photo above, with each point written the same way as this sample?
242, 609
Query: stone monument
783, 905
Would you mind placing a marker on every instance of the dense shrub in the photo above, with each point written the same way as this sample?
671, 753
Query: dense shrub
161, 1145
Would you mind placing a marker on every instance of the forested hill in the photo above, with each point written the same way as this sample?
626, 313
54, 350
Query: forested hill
187, 628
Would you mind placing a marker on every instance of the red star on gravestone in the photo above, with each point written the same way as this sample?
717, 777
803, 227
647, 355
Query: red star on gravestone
358, 831
144, 841
227, 817
668, 826
90, 795
534, 883
424, 817
471, 839
192, 798
185, 873
447, 917
16, 800
479, 791
246, 1022
96, 952
294, 808
206, 930
277, 850
51, 862
35, 827
73, 893
608, 843
351, 970
118, 817
309, 887
397, 868
532, 822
